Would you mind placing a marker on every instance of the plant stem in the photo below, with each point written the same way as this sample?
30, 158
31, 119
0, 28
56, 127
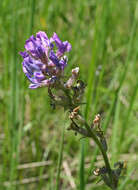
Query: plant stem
92, 134
105, 157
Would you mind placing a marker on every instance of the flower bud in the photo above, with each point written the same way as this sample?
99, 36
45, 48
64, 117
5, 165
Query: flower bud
75, 71
72, 79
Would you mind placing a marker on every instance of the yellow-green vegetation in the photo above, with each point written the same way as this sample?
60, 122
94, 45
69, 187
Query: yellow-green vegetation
36, 150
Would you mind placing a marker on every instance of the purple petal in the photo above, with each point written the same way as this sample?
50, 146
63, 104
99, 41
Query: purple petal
41, 35
67, 46
32, 79
29, 44
34, 86
27, 69
24, 54
54, 58
35, 47
57, 40
34, 67
29, 66
39, 76
62, 63
62, 46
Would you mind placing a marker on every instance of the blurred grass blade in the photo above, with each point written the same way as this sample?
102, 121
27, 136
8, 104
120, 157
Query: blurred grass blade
89, 94
14, 97
98, 47
90, 170
126, 120
115, 131
32, 11
91, 73
130, 48
82, 174
60, 160
124, 183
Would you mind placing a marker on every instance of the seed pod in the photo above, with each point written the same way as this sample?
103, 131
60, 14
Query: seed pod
97, 119
96, 172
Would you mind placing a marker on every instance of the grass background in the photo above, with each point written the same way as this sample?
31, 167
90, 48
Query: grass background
104, 38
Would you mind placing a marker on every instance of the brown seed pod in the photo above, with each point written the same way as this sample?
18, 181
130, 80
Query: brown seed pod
96, 172
97, 119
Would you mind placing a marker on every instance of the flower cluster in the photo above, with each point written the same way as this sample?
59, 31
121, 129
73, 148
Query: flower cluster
44, 59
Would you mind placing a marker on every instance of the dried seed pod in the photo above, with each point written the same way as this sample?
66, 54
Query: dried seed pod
96, 172
76, 109
97, 119
74, 113
100, 171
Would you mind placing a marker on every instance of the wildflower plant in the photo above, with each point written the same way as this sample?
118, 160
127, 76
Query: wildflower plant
44, 62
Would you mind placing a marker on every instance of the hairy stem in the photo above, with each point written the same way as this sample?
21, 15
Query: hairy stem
105, 157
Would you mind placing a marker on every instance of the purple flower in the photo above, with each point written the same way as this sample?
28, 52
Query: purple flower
33, 69
38, 47
62, 46
42, 65
60, 63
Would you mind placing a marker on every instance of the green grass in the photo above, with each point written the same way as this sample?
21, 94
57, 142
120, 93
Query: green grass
60, 157
104, 42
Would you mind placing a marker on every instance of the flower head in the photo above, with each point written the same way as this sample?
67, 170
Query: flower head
42, 64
